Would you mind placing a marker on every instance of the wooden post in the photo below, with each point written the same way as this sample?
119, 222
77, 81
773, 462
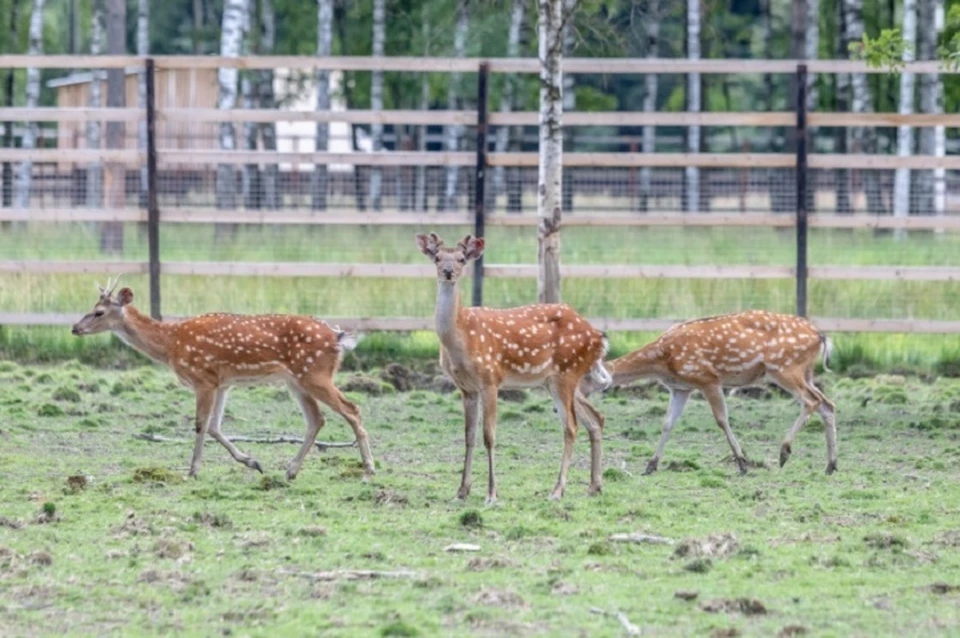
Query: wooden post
479, 195
801, 178
153, 207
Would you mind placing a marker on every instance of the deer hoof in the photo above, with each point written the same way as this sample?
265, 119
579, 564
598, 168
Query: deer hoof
463, 492
785, 452
491, 500
594, 490
253, 464
651, 467
831, 467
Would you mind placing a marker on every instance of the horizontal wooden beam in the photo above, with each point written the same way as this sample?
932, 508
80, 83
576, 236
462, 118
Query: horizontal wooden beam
950, 120
70, 114
130, 157
413, 324
886, 162
886, 273
167, 157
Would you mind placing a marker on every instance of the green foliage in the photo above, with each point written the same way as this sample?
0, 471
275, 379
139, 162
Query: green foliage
886, 50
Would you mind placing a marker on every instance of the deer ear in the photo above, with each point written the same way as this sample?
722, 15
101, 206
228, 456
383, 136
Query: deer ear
125, 296
472, 247
429, 244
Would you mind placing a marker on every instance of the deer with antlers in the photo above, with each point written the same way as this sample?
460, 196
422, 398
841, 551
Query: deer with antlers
734, 350
213, 352
484, 349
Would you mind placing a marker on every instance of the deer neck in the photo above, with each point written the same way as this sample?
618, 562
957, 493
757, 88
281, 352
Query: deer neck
447, 319
644, 363
149, 336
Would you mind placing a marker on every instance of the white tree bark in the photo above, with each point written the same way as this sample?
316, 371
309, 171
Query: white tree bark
693, 105
143, 49
930, 25
266, 99
95, 170
550, 177
376, 101
453, 132
235, 17
324, 49
420, 190
650, 86
249, 182
940, 133
508, 99
901, 184
30, 133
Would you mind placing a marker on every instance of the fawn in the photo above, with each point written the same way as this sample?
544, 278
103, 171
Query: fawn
483, 349
211, 353
734, 350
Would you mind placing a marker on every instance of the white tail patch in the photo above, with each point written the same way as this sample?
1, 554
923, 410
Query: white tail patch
347, 340
826, 349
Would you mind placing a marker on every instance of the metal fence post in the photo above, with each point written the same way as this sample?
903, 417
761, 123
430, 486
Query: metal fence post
479, 195
801, 179
153, 207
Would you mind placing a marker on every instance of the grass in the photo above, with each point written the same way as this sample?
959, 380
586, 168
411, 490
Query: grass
397, 297
101, 533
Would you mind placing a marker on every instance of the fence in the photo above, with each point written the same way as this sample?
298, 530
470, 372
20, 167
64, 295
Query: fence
793, 231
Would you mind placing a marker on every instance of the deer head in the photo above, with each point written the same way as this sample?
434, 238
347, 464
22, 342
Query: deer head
107, 313
450, 261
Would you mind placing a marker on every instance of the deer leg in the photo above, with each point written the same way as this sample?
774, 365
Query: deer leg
471, 413
329, 395
678, 401
593, 421
800, 386
315, 421
563, 398
714, 396
214, 431
489, 399
828, 412
206, 397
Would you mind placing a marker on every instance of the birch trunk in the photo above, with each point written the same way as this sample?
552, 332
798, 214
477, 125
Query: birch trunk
861, 140
453, 132
569, 101
940, 133
376, 102
8, 126
931, 101
901, 185
95, 170
34, 47
420, 188
508, 100
550, 178
266, 99
692, 173
231, 39
319, 187
650, 100
143, 49
115, 175
250, 179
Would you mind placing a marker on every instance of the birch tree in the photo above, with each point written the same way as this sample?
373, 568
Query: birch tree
235, 14
318, 188
250, 177
901, 184
376, 101
932, 139
30, 133
95, 170
569, 98
649, 139
692, 173
550, 52
266, 99
861, 139
420, 189
14, 36
143, 49
114, 185
453, 132
508, 100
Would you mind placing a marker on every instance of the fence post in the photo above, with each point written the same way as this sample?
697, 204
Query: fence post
153, 207
479, 195
801, 179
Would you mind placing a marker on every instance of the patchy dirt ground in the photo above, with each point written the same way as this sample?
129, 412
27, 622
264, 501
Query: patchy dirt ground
101, 531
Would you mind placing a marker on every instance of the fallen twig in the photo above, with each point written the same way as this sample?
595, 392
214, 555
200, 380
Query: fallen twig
350, 574
629, 627
636, 537
322, 445
462, 547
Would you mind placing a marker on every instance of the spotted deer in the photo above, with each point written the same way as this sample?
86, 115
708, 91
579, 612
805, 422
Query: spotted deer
484, 349
734, 350
213, 352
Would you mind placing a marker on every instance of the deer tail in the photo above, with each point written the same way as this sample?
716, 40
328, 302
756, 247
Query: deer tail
598, 378
826, 350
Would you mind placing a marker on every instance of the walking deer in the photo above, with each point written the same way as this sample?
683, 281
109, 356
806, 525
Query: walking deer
483, 349
734, 350
211, 353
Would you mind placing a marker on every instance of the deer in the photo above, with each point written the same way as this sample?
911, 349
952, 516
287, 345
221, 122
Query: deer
211, 353
734, 350
541, 345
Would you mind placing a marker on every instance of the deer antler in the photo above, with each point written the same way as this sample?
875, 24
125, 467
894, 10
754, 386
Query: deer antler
111, 286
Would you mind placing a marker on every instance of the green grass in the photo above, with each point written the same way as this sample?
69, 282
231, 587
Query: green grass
399, 297
134, 548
